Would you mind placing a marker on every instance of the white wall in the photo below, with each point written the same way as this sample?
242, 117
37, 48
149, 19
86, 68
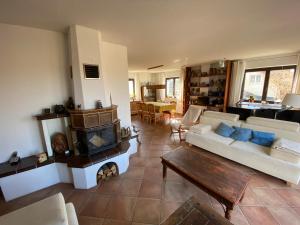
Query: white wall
115, 73
33, 76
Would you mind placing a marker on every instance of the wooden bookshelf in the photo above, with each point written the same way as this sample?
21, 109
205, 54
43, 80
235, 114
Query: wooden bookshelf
209, 88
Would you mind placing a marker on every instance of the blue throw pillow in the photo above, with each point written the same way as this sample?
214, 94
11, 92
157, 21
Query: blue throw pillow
262, 141
260, 134
263, 138
224, 130
241, 134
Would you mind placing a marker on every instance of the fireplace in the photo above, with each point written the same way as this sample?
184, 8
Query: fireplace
96, 130
94, 140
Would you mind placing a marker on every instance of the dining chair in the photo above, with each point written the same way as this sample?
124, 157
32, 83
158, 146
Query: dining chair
155, 116
145, 113
190, 118
133, 108
170, 113
139, 109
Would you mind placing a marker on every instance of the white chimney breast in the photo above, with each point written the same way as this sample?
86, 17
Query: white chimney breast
85, 49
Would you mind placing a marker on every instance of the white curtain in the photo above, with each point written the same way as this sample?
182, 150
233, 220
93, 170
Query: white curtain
236, 82
179, 106
298, 76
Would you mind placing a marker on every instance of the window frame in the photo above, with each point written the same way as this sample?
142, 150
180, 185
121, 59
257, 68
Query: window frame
267, 71
174, 80
132, 79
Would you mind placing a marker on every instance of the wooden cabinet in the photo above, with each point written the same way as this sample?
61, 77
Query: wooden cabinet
149, 92
207, 88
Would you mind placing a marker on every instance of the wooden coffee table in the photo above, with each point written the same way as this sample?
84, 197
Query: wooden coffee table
222, 179
194, 212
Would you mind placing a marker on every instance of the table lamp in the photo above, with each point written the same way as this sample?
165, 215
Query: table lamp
291, 101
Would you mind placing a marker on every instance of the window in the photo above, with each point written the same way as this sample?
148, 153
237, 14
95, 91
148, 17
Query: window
268, 84
172, 87
251, 85
131, 88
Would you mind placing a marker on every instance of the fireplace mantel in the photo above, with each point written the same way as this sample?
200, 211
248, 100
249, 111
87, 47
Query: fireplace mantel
83, 119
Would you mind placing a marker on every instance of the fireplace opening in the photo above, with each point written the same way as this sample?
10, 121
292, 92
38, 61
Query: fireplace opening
94, 140
107, 171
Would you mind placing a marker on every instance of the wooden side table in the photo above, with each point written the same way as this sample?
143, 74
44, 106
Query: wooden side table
194, 213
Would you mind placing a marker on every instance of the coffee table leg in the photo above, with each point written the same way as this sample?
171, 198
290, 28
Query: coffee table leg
228, 213
164, 171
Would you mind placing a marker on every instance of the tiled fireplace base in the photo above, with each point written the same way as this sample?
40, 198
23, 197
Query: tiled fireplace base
83, 177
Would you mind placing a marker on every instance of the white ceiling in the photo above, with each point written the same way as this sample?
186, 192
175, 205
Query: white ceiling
172, 32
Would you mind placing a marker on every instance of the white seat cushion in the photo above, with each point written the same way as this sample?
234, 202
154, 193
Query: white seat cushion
49, 211
287, 146
200, 128
286, 150
258, 157
211, 135
251, 147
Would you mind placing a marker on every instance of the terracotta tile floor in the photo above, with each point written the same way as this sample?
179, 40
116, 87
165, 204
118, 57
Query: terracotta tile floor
139, 197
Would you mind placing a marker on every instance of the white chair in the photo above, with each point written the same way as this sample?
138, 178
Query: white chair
190, 118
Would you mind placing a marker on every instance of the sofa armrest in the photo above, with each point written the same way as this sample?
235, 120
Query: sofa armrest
200, 128
49, 211
72, 217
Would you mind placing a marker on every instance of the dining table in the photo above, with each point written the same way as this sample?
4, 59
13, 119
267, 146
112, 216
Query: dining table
163, 106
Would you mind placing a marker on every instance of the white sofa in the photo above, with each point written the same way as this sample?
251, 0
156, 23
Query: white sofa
247, 153
49, 211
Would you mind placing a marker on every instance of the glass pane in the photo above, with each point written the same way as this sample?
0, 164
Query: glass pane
280, 83
131, 88
254, 85
177, 88
170, 87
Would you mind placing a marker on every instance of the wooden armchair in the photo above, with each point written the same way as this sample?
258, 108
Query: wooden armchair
190, 118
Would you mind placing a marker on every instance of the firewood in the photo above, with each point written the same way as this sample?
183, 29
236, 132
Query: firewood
114, 169
109, 174
105, 167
